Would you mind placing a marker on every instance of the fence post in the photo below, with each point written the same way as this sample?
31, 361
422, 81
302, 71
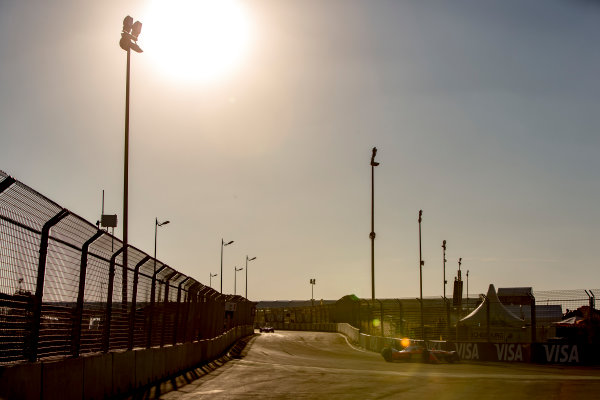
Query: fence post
533, 318
151, 314
401, 317
136, 278
109, 295
78, 317
39, 290
178, 311
164, 309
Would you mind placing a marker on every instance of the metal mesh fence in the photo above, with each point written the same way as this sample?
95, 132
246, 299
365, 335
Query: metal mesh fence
542, 314
64, 290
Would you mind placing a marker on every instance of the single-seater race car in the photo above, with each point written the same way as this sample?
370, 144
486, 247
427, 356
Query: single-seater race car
266, 329
418, 352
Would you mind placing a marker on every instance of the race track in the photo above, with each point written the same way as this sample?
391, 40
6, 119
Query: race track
312, 365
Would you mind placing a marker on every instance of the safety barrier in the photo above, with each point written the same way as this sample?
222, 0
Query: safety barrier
110, 375
68, 288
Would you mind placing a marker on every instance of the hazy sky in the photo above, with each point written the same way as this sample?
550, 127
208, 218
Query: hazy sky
486, 115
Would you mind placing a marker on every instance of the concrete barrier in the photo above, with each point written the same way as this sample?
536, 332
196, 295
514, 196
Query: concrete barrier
123, 372
107, 375
21, 381
63, 380
97, 376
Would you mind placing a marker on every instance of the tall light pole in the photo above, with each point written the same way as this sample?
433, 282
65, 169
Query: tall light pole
421, 263
444, 263
156, 225
210, 279
313, 282
129, 36
248, 259
372, 234
223, 244
236, 269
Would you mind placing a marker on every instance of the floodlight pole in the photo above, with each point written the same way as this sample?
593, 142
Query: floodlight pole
444, 263
372, 234
210, 279
129, 35
421, 263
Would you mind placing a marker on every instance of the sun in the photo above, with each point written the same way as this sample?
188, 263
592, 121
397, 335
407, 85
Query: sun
196, 40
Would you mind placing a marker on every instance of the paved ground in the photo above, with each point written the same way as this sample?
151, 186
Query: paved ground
310, 365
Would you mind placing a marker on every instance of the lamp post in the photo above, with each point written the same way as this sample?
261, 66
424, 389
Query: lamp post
210, 279
372, 234
223, 244
156, 225
248, 259
444, 263
129, 35
421, 263
236, 269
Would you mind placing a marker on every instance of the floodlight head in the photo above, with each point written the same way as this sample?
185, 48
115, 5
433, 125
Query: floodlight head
253, 258
136, 29
373, 162
420, 215
127, 24
444, 244
228, 243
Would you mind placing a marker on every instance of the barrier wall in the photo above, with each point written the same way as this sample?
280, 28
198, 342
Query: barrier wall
540, 353
114, 374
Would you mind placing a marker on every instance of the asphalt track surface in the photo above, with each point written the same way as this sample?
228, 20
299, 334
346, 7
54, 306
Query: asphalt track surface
315, 365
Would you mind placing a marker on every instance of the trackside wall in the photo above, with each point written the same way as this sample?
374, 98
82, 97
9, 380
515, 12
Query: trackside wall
540, 353
108, 375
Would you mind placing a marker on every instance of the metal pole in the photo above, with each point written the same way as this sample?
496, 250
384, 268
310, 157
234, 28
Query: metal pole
155, 234
126, 177
372, 234
444, 262
421, 263
222, 242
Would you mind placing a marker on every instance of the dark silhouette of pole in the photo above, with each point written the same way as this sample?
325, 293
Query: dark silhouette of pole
156, 225
444, 262
223, 244
372, 234
129, 36
236, 269
247, 259
421, 263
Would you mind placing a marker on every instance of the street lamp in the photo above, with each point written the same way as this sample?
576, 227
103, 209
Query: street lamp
313, 282
223, 244
210, 279
421, 263
372, 234
156, 225
248, 259
129, 36
236, 269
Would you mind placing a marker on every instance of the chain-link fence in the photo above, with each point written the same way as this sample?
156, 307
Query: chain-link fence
544, 315
64, 290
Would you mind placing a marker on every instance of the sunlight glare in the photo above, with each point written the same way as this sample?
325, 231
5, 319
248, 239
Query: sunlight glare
196, 40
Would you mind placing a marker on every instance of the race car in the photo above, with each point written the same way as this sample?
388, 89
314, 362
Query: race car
266, 329
418, 352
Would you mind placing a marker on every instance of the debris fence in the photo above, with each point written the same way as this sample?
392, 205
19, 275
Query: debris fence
64, 290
